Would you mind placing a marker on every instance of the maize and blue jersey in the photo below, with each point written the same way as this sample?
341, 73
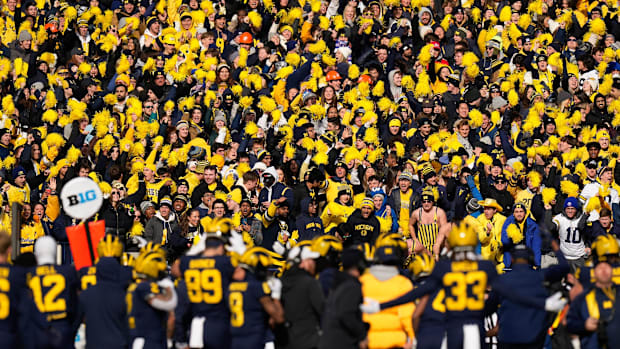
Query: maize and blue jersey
103, 308
206, 280
146, 324
88, 275
431, 329
12, 283
54, 291
248, 319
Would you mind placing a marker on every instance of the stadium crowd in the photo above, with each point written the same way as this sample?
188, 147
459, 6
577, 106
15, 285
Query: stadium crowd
312, 173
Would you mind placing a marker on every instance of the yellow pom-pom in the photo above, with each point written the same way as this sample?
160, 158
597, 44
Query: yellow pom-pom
246, 101
289, 151
293, 59
379, 89
354, 72
597, 26
548, 195
110, 99
318, 47
514, 233
535, 179
50, 116
476, 118
400, 149
267, 104
285, 72
255, 19
513, 98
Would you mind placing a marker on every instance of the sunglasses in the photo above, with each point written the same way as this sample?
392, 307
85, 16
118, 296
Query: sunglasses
115, 193
426, 201
148, 107
500, 182
572, 39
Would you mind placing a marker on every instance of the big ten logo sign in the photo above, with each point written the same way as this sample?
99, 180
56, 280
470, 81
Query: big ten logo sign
82, 198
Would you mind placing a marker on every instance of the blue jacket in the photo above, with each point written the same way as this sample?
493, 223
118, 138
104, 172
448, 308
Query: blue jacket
277, 191
578, 313
532, 239
382, 212
520, 323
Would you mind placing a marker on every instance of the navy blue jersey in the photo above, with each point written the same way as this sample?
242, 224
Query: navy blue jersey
11, 286
464, 284
431, 328
88, 276
103, 308
248, 319
206, 280
145, 321
54, 290
435, 309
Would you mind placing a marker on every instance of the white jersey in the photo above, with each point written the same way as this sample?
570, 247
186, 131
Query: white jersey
571, 241
590, 190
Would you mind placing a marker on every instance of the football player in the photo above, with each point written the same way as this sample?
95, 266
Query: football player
206, 277
464, 280
54, 290
429, 315
11, 285
149, 299
102, 303
109, 247
252, 300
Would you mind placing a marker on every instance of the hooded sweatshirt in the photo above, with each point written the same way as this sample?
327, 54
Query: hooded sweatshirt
387, 218
158, 228
308, 225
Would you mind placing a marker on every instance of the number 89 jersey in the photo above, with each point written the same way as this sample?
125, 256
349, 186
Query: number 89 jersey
207, 279
571, 243
464, 284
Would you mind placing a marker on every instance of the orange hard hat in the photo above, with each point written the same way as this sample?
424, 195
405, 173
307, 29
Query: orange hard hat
333, 75
245, 38
364, 78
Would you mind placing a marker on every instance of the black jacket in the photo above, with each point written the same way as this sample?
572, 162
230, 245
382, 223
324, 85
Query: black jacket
117, 221
361, 229
343, 327
303, 302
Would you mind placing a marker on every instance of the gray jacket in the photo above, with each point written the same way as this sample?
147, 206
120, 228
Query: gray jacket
154, 230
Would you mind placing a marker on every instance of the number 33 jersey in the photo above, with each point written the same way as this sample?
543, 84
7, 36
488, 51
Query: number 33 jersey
464, 284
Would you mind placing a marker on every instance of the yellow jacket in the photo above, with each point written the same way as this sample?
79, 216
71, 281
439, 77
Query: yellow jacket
333, 188
30, 232
17, 194
390, 327
491, 243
